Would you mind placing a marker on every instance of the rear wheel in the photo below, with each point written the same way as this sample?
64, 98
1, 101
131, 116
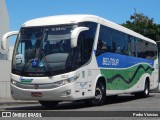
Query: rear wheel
145, 92
49, 104
100, 95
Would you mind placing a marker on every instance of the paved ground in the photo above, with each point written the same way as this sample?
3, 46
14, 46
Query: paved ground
122, 103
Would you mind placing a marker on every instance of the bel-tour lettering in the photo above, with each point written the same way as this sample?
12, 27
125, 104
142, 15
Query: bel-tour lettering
110, 61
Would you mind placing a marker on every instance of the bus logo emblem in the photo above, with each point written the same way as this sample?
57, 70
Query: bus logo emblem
35, 63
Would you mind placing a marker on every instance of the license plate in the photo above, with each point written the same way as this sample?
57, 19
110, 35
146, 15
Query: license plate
36, 94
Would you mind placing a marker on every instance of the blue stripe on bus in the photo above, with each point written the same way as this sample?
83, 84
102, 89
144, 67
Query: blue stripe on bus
112, 60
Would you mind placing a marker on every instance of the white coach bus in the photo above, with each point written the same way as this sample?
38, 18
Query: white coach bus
80, 57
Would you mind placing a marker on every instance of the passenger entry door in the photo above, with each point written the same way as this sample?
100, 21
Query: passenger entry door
82, 58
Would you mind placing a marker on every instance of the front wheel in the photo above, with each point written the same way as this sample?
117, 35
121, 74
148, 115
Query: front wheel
49, 104
100, 95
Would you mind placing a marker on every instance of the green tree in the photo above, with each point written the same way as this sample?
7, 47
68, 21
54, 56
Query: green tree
144, 25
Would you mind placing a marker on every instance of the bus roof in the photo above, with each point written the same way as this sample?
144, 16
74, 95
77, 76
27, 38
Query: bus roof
60, 20
76, 18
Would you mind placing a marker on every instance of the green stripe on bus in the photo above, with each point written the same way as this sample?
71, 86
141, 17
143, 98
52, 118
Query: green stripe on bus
123, 79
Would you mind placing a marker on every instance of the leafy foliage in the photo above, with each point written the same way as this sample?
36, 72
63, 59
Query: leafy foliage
144, 25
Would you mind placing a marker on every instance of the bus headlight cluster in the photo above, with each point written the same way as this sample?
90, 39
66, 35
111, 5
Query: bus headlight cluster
66, 81
14, 82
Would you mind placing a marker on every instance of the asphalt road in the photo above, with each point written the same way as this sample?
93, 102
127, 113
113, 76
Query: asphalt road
122, 103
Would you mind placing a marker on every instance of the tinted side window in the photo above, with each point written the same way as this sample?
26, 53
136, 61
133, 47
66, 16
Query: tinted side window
131, 46
114, 41
143, 49
137, 45
126, 42
118, 42
104, 41
150, 51
153, 49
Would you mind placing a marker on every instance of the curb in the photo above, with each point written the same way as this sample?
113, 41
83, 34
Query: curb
13, 102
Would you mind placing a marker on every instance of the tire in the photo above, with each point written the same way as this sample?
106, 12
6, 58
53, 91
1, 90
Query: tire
100, 95
49, 104
145, 92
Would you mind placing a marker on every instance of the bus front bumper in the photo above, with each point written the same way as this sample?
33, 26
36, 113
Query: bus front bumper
65, 92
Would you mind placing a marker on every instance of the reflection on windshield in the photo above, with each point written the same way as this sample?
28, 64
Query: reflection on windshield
43, 49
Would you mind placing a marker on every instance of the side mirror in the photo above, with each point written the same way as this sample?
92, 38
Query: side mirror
5, 38
74, 35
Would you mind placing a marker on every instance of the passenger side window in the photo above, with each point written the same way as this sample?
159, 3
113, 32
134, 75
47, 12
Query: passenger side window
131, 46
114, 41
142, 49
104, 41
118, 42
147, 50
126, 42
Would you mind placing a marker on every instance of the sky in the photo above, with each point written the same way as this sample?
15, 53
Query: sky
117, 11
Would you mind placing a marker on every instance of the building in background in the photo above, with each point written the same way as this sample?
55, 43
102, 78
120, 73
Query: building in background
5, 63
4, 27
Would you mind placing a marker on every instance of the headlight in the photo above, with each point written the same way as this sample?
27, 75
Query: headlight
60, 83
72, 79
66, 81
14, 82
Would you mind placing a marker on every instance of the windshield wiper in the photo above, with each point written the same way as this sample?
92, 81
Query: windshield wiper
25, 66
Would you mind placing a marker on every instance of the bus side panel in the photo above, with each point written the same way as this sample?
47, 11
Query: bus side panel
154, 77
124, 73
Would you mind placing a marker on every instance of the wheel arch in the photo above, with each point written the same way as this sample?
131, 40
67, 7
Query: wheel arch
147, 79
99, 78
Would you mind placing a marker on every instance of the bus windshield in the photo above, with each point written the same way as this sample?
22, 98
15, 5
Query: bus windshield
43, 50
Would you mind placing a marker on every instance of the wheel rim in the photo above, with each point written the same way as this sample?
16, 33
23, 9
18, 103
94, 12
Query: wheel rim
98, 95
146, 91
